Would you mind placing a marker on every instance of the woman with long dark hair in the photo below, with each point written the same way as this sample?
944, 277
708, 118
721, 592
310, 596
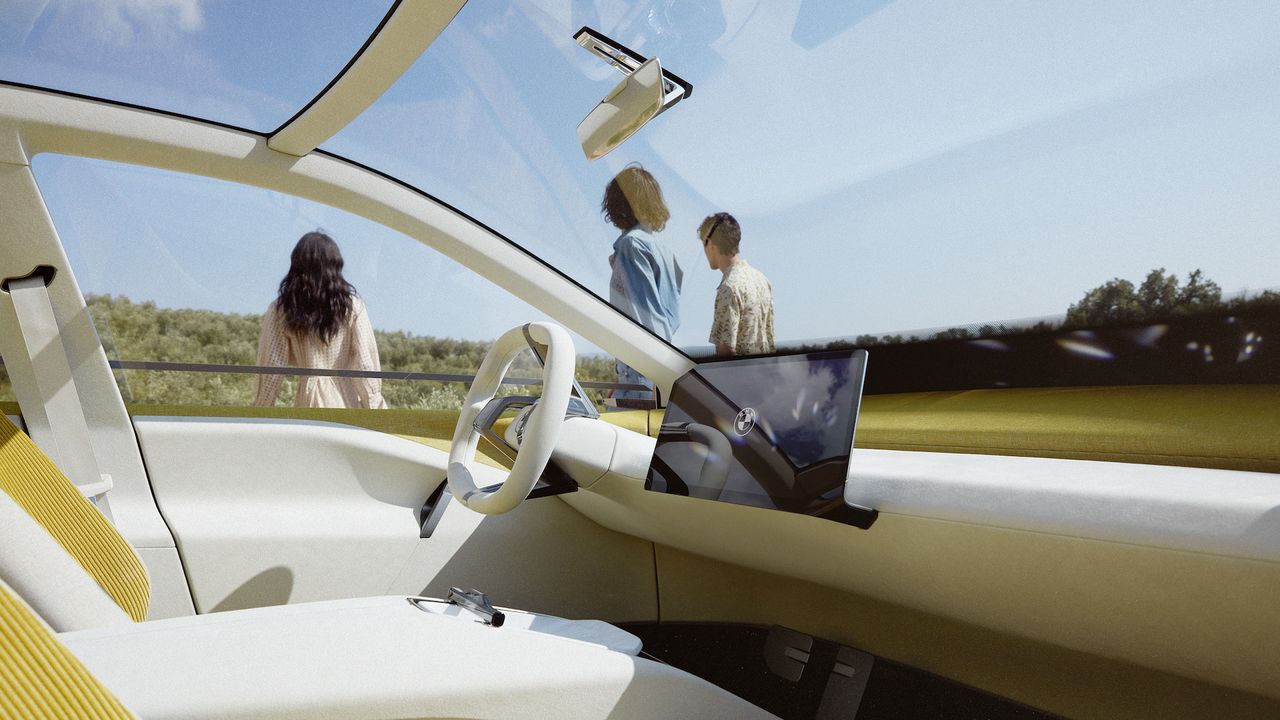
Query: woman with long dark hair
318, 321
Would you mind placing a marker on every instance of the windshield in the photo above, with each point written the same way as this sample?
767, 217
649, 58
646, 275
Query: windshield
893, 165
894, 171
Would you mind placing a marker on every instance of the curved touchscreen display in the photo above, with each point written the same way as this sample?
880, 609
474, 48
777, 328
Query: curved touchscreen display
772, 432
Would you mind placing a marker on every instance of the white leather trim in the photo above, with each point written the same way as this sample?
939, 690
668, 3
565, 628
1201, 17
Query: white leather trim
275, 511
592, 632
380, 657
30, 241
1224, 512
50, 580
542, 430
57, 424
1196, 614
170, 596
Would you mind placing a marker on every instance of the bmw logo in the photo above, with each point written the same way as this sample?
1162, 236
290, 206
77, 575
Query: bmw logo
745, 421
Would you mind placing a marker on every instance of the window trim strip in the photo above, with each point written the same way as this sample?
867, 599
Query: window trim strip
325, 372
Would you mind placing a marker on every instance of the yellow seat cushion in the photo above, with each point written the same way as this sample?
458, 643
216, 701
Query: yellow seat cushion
37, 485
39, 677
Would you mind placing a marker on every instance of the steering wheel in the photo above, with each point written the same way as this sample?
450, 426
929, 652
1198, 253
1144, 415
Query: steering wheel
540, 432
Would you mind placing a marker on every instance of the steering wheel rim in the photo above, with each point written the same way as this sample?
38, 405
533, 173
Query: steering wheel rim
541, 432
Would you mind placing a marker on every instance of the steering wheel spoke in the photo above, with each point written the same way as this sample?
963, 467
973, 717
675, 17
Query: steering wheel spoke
488, 417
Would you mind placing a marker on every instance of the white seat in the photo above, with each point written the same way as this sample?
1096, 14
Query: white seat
593, 632
381, 657
364, 658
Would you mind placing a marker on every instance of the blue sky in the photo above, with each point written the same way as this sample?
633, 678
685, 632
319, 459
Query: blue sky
895, 165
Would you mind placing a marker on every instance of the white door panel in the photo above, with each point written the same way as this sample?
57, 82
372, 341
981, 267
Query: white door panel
269, 512
1100, 558
1220, 512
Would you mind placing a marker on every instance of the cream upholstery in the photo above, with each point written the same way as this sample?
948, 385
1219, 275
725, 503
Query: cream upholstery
34, 485
381, 658
42, 572
373, 657
39, 678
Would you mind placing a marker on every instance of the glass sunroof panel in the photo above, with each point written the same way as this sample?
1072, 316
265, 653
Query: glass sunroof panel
244, 63
894, 165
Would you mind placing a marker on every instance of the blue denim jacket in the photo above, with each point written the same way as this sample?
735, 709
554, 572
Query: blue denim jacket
646, 281
645, 284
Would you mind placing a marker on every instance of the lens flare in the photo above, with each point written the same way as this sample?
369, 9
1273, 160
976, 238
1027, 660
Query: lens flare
1089, 348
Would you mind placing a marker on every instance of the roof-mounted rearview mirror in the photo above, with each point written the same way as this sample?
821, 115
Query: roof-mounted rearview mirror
646, 92
635, 101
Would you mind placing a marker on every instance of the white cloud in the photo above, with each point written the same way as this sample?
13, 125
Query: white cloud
17, 17
123, 23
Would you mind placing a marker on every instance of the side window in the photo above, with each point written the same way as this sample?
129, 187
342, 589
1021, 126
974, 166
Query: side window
179, 271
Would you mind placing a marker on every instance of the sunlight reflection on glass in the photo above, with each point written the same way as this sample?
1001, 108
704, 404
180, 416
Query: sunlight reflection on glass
989, 344
1150, 336
1085, 344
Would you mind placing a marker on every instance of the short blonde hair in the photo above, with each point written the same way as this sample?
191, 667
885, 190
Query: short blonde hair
633, 197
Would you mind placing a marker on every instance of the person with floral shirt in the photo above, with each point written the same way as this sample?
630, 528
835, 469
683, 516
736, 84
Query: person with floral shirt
743, 320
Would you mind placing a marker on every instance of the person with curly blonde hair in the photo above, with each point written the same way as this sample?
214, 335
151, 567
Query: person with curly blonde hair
646, 278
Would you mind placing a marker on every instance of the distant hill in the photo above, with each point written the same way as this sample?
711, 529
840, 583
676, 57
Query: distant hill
141, 331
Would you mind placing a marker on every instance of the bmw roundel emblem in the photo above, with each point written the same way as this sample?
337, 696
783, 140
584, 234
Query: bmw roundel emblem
745, 421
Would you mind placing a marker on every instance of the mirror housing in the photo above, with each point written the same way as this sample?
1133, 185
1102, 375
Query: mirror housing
635, 101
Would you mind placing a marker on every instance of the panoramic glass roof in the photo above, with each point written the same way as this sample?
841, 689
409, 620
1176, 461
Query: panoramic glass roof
244, 63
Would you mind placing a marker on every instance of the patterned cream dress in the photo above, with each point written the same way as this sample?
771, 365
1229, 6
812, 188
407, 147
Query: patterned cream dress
352, 347
743, 318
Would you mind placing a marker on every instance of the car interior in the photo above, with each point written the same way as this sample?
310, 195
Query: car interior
1067, 521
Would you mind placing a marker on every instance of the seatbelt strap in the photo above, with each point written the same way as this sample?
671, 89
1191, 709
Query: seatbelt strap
59, 427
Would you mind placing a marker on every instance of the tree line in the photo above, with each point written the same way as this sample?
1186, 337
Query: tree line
142, 331
1158, 298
